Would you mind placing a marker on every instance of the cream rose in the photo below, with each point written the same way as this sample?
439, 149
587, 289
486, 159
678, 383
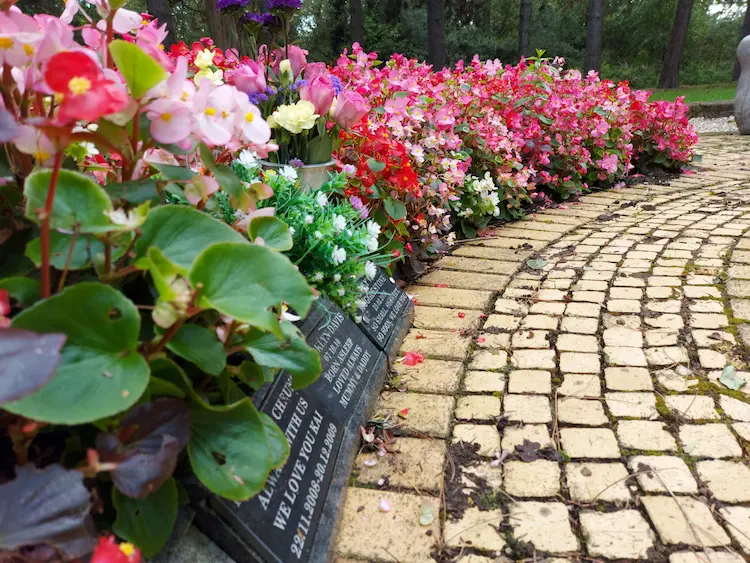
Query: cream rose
294, 118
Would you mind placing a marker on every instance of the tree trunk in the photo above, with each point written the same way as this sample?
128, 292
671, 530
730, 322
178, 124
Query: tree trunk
670, 72
220, 27
744, 32
523, 28
393, 11
340, 31
436, 33
594, 36
356, 25
162, 11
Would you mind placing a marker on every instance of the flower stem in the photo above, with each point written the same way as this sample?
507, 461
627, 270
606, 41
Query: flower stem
44, 225
171, 331
68, 258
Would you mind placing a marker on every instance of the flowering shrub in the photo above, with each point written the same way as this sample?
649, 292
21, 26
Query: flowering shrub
532, 127
478, 204
150, 322
331, 242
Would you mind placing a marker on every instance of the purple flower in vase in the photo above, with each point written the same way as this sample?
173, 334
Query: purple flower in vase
296, 163
284, 4
257, 18
222, 5
337, 85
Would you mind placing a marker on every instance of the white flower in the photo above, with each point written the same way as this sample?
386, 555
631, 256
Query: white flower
289, 174
309, 219
349, 169
371, 270
129, 220
373, 229
341, 292
337, 277
321, 199
248, 159
372, 244
318, 235
286, 315
339, 223
318, 277
338, 256
292, 231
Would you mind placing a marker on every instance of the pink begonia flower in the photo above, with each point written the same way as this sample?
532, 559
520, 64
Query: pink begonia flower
92, 37
58, 36
19, 35
160, 156
601, 129
214, 109
30, 140
349, 109
171, 120
319, 91
250, 121
297, 58
70, 11
608, 163
243, 221
150, 39
200, 188
249, 78
125, 21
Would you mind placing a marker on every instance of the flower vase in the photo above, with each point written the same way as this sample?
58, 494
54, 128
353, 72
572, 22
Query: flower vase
311, 176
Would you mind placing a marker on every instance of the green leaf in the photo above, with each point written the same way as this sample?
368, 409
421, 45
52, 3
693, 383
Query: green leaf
245, 281
182, 233
291, 354
200, 346
86, 249
162, 388
231, 451
277, 442
394, 208
140, 71
101, 372
274, 232
375, 165
79, 205
170, 172
25, 291
146, 522
134, 191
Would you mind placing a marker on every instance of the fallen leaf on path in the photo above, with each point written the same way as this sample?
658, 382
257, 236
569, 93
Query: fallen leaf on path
426, 515
537, 263
730, 379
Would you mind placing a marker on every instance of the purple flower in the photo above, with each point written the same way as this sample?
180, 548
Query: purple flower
337, 85
222, 5
356, 202
298, 84
257, 98
261, 19
296, 163
364, 213
284, 4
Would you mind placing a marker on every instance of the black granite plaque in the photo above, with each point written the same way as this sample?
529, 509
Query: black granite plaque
321, 423
386, 312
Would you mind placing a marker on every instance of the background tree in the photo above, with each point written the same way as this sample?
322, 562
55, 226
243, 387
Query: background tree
162, 11
670, 72
523, 28
594, 24
356, 25
221, 28
436, 33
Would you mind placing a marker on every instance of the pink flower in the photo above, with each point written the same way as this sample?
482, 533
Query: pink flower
249, 78
250, 122
413, 358
213, 108
319, 91
315, 69
19, 35
171, 121
349, 109
297, 58
608, 163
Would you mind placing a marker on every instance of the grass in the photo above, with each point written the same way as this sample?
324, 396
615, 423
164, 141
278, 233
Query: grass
703, 93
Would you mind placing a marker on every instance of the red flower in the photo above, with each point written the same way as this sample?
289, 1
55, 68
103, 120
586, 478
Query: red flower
4, 308
397, 253
81, 89
412, 359
108, 551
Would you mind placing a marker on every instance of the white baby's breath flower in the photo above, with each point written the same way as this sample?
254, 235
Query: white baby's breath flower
292, 231
309, 219
337, 277
289, 173
318, 276
371, 270
248, 159
321, 199
338, 256
339, 223
373, 229
318, 235
341, 292
372, 244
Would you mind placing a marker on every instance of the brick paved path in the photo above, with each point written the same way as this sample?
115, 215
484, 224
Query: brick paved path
588, 387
